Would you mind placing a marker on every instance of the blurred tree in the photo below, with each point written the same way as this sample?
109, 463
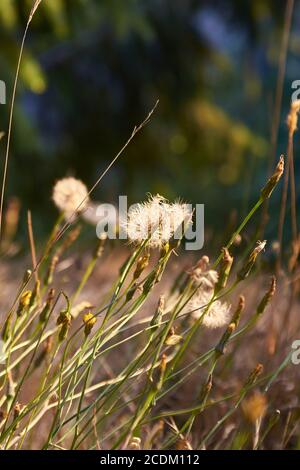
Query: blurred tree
92, 69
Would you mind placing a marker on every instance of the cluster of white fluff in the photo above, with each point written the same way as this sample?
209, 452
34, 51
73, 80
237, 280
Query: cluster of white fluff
218, 314
70, 196
157, 221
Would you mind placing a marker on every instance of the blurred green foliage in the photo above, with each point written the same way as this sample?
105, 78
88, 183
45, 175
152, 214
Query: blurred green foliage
92, 69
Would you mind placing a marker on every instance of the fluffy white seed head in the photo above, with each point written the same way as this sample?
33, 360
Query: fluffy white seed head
70, 196
218, 314
158, 221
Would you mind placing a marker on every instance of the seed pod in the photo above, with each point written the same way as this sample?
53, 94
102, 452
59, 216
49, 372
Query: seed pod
89, 321
267, 297
273, 181
246, 269
24, 303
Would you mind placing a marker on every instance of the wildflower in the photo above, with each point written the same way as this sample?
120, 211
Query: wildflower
24, 302
157, 220
218, 313
89, 321
70, 196
77, 309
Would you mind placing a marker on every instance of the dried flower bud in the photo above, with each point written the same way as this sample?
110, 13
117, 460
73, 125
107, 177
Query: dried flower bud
173, 339
142, 264
292, 119
89, 321
35, 294
240, 308
24, 302
134, 444
100, 246
17, 409
205, 389
226, 265
254, 375
47, 308
273, 181
162, 370
183, 444
159, 312
267, 297
64, 319
45, 351
220, 348
246, 269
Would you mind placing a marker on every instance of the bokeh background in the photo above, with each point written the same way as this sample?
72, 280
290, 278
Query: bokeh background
92, 69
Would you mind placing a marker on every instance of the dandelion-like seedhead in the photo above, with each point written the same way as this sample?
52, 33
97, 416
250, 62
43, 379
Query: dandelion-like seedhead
70, 195
202, 276
218, 314
157, 220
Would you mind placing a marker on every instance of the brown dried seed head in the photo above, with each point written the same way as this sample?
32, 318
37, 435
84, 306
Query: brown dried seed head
273, 181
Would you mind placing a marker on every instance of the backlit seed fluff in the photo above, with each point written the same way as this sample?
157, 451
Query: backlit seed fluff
70, 196
202, 276
157, 220
218, 314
